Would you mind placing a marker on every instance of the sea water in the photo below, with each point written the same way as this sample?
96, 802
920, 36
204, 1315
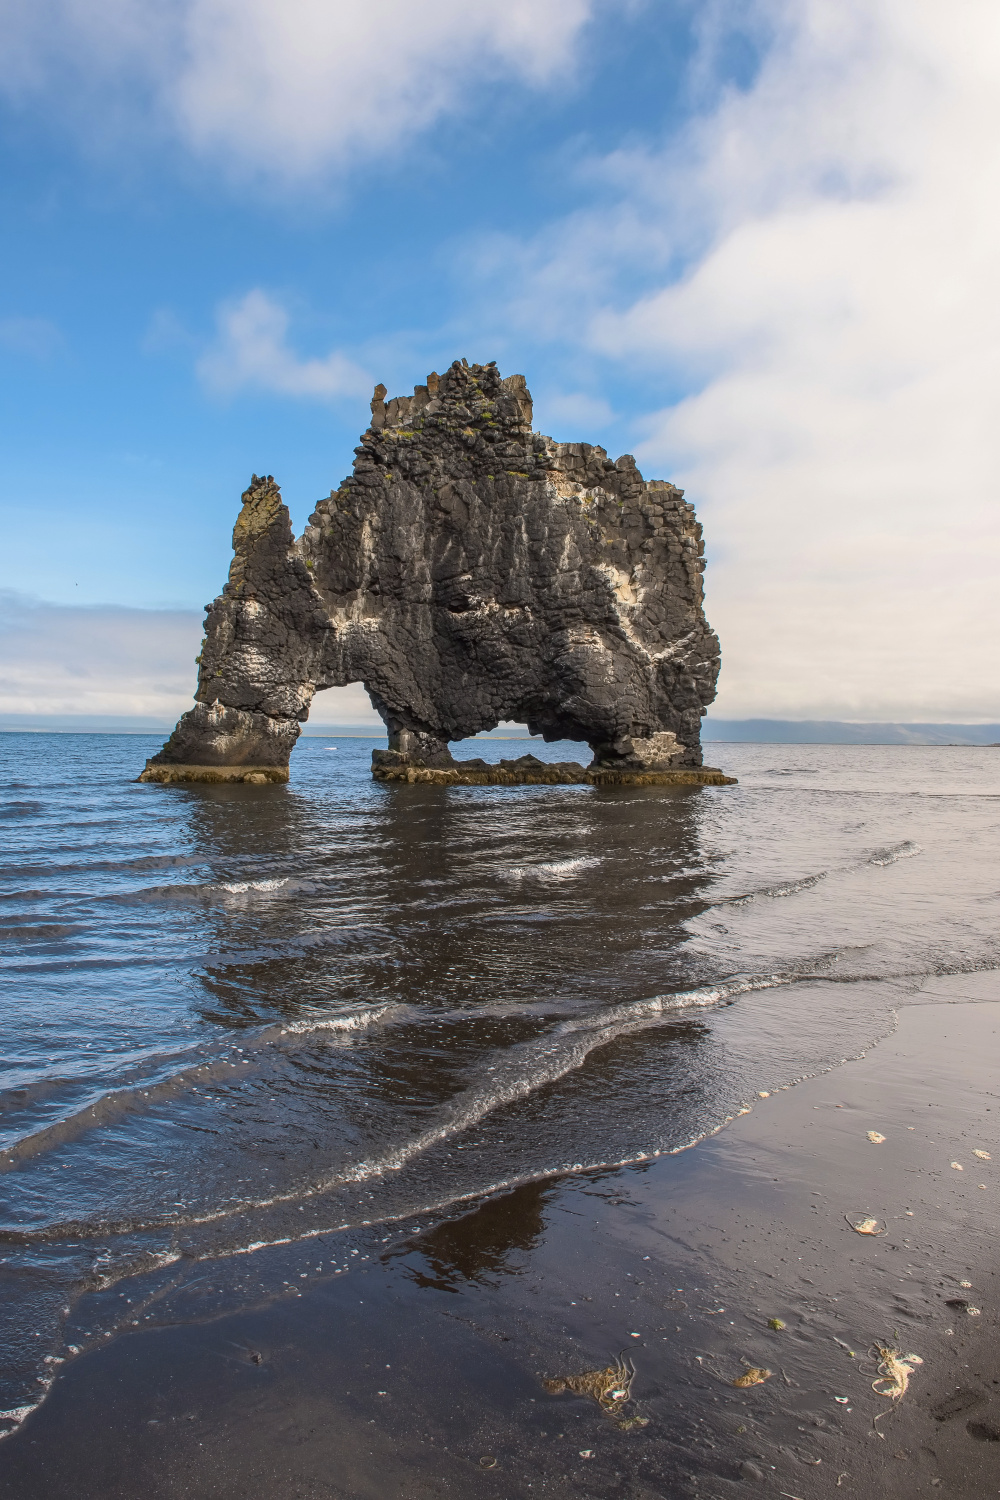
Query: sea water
244, 1025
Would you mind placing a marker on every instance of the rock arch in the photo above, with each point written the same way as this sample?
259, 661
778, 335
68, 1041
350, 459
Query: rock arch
469, 571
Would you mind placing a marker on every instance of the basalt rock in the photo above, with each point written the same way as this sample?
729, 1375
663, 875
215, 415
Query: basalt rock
470, 571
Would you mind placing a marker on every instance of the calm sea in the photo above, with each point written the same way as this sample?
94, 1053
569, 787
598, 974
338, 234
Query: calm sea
242, 1025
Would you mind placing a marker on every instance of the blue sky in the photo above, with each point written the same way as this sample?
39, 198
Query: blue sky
122, 257
751, 242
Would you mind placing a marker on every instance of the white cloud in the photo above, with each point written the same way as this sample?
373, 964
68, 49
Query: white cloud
96, 659
837, 326
251, 352
573, 412
342, 705
106, 661
285, 86
35, 337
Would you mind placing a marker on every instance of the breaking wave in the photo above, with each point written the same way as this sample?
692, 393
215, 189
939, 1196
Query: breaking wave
875, 857
557, 869
160, 1086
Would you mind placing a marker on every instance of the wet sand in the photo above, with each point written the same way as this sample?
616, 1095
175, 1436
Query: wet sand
420, 1373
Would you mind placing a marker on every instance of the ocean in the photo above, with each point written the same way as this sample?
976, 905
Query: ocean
253, 1035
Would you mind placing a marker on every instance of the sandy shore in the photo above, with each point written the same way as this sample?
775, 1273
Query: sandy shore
420, 1374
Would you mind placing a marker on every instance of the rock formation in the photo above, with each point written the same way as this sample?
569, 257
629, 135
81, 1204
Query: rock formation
470, 571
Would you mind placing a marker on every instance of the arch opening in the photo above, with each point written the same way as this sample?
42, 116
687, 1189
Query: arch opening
511, 741
341, 710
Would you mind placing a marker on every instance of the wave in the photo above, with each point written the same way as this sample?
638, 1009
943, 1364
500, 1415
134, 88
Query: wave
772, 892
346, 937
214, 891
889, 856
359, 1020
606, 1028
14, 1416
533, 1065
39, 931
873, 857
239, 887
558, 869
19, 1414
516, 1075
20, 809
114, 1104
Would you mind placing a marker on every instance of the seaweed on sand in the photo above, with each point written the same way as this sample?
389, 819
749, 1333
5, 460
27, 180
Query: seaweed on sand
610, 1387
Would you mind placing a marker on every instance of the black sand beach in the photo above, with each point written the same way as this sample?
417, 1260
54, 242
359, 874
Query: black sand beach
420, 1374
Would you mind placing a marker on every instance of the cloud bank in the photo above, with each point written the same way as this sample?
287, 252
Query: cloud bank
60, 662
818, 256
285, 87
96, 660
251, 352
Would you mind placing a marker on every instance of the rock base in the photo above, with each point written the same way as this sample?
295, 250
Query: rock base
528, 770
683, 776
170, 775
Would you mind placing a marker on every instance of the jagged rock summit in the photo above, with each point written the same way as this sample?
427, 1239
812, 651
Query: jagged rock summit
470, 571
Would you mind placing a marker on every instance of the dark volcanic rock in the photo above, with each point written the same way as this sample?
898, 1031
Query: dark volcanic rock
470, 571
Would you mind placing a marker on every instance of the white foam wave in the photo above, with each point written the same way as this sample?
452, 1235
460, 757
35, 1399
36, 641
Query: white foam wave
878, 857
240, 887
906, 850
476, 1194
228, 1060
558, 869
16, 1415
526, 1069
517, 1074
356, 1020
773, 892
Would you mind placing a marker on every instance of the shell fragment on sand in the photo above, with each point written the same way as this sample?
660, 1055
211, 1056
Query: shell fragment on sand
865, 1226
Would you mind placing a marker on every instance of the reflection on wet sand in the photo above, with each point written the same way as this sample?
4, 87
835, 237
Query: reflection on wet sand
482, 1245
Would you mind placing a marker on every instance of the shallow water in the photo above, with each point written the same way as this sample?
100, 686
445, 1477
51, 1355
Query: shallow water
241, 1017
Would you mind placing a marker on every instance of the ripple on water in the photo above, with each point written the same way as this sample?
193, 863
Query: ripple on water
337, 1006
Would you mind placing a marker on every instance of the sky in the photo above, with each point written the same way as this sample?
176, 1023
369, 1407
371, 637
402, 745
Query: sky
753, 242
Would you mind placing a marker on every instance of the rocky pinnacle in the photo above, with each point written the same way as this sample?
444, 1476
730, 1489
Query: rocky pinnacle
469, 571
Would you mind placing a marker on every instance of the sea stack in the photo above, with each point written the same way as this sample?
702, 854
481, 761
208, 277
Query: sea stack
470, 571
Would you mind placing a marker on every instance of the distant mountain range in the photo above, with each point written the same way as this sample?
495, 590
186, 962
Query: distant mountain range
748, 731
839, 732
